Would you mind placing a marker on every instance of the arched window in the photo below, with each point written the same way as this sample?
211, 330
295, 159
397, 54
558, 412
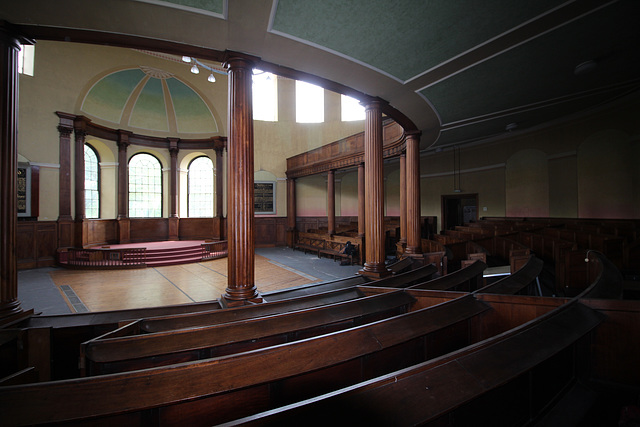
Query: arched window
145, 186
200, 181
91, 182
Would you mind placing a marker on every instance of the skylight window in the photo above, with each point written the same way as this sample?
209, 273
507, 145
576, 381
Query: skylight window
351, 109
26, 59
309, 103
265, 96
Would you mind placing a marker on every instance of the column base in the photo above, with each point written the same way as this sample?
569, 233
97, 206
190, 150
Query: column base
374, 271
12, 313
227, 302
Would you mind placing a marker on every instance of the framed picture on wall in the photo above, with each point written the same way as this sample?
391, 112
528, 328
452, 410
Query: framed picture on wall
264, 197
24, 190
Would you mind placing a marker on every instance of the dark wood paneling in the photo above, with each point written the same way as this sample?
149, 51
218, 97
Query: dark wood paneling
36, 244
102, 231
26, 244
201, 228
271, 231
149, 229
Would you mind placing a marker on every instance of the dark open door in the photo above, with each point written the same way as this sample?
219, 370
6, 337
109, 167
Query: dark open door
459, 209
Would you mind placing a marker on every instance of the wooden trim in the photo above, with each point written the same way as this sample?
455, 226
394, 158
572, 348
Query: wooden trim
345, 153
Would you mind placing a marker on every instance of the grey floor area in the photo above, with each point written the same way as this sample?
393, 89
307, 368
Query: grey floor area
36, 289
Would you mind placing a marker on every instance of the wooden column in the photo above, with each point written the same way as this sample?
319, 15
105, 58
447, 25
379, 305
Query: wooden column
331, 202
403, 199
361, 199
174, 221
65, 220
414, 246
374, 192
80, 230
124, 224
291, 212
240, 211
9, 304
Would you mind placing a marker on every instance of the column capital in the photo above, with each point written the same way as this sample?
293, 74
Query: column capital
123, 139
173, 146
238, 60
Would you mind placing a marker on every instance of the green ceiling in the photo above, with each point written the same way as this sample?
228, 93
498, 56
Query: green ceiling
215, 6
406, 38
157, 102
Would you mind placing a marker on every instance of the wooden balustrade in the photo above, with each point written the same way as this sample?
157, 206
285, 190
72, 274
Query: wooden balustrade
214, 250
103, 258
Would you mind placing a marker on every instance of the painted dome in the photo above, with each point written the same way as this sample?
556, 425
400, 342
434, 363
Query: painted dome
149, 99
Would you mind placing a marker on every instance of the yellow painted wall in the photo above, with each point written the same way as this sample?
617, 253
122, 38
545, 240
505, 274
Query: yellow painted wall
65, 72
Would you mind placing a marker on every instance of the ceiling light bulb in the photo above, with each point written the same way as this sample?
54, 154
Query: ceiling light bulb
211, 78
186, 59
195, 69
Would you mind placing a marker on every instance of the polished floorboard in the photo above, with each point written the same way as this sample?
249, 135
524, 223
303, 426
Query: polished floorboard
61, 291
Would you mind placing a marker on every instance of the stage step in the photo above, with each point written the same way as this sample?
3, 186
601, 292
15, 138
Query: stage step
174, 256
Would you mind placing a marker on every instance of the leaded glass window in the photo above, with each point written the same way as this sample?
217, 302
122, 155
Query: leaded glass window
91, 183
200, 179
145, 186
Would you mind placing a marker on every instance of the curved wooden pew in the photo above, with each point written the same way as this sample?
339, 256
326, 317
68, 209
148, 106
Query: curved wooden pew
509, 379
168, 323
466, 279
517, 282
108, 354
313, 289
268, 377
493, 382
405, 279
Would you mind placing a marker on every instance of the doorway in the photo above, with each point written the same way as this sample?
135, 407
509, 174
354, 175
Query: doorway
459, 209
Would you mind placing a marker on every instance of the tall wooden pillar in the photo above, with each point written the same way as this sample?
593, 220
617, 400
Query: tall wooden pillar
80, 234
174, 221
414, 246
124, 224
403, 199
361, 212
9, 304
240, 212
374, 192
291, 212
65, 220
331, 202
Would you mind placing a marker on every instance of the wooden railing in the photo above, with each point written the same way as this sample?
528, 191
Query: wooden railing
214, 250
101, 258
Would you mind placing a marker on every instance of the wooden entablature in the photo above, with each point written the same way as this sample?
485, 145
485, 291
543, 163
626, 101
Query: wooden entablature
345, 153
84, 124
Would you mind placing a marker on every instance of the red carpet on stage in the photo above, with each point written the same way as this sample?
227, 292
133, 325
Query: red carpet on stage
165, 253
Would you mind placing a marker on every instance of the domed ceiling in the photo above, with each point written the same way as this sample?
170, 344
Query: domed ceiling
149, 99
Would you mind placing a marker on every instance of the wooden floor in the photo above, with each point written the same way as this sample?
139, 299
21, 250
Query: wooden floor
149, 287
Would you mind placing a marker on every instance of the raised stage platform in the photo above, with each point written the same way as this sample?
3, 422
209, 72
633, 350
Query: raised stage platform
164, 253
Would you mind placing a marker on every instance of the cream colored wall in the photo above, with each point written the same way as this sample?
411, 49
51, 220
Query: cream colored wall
527, 184
65, 72
605, 175
585, 168
348, 195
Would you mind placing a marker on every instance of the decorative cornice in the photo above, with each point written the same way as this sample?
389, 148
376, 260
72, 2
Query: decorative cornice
125, 138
